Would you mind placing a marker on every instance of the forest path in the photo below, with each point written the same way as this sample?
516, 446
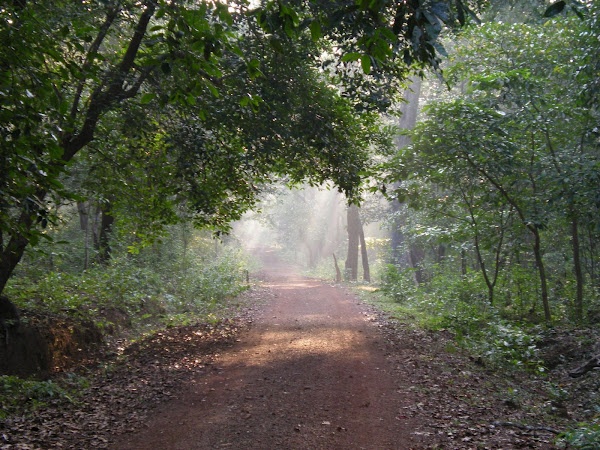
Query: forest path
311, 373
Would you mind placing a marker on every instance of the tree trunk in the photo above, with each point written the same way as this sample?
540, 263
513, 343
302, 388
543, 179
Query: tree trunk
417, 255
106, 223
463, 262
490, 278
363, 253
577, 269
15, 248
353, 226
537, 251
338, 272
83, 210
592, 258
84, 213
398, 255
407, 121
441, 253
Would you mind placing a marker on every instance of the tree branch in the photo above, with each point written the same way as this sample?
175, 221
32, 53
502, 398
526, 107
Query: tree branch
111, 15
112, 91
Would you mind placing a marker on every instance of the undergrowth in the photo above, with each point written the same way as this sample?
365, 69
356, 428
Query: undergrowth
19, 396
141, 290
457, 304
500, 337
154, 289
585, 437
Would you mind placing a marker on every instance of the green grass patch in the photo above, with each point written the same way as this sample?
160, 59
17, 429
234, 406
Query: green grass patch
18, 396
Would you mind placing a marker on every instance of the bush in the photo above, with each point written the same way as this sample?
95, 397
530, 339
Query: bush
203, 283
502, 344
121, 285
18, 395
145, 286
398, 284
586, 437
459, 304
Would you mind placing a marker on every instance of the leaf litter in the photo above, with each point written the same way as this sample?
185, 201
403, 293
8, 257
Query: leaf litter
458, 402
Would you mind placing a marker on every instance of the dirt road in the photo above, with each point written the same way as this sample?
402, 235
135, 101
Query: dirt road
316, 369
311, 373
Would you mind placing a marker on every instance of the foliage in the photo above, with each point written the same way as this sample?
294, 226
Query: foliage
204, 284
506, 344
518, 290
375, 46
122, 286
586, 437
147, 107
398, 284
503, 174
456, 304
158, 282
18, 395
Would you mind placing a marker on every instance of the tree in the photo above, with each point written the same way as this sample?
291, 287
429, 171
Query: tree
520, 130
75, 73
389, 40
354, 228
400, 257
67, 67
94, 72
550, 109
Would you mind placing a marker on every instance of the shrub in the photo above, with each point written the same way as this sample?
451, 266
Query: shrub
459, 304
502, 344
398, 284
586, 437
138, 286
18, 395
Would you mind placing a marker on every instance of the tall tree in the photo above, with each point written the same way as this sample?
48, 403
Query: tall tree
539, 92
356, 241
402, 255
73, 73
520, 130
353, 227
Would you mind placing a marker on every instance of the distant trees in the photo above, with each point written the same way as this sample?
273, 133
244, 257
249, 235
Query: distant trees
356, 241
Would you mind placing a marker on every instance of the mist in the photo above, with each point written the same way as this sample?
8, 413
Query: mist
306, 227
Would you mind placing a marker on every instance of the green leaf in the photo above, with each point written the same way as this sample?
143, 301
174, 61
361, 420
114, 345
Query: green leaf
276, 44
147, 98
365, 62
554, 9
351, 57
315, 30
254, 69
191, 100
213, 89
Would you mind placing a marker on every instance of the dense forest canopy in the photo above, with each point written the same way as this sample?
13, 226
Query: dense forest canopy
504, 169
159, 105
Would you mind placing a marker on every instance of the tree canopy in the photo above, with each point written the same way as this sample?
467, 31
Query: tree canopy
512, 156
157, 104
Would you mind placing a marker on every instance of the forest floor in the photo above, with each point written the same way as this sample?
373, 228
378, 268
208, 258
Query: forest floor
306, 366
